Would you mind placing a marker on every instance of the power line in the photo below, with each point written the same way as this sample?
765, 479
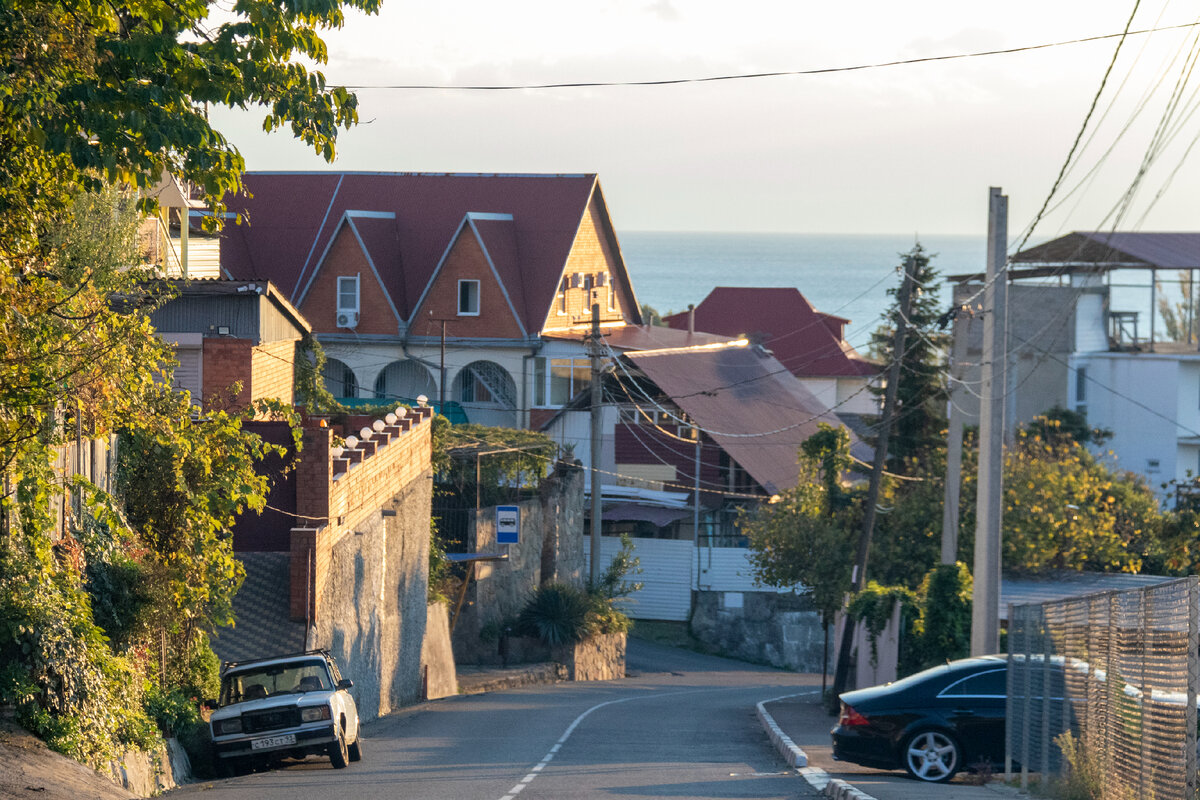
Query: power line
760, 75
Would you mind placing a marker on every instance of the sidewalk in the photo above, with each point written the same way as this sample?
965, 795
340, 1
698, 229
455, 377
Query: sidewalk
800, 727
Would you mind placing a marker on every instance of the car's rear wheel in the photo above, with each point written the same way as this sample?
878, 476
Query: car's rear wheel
933, 756
338, 753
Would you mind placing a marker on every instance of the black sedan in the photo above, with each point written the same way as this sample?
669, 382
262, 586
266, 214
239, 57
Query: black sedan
932, 723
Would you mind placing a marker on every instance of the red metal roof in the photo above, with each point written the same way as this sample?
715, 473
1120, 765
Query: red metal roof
747, 402
808, 342
290, 218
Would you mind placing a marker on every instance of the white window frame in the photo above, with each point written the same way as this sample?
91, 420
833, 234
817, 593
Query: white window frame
357, 291
459, 301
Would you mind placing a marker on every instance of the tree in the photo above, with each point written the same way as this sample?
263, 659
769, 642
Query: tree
119, 92
802, 538
1180, 317
921, 395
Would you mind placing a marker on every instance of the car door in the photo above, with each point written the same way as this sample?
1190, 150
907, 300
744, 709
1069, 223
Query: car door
974, 707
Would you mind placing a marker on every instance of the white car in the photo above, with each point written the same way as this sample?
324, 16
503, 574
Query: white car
290, 705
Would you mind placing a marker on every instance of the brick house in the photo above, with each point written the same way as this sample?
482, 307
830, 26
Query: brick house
227, 332
478, 287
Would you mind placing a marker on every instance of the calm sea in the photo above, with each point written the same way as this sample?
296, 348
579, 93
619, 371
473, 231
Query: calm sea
848, 276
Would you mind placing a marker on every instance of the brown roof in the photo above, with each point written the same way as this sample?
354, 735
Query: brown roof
747, 402
526, 223
808, 342
1098, 251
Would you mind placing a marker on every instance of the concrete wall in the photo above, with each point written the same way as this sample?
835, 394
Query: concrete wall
373, 602
779, 629
550, 550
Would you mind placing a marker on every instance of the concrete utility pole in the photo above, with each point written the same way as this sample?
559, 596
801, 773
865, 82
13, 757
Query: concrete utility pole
985, 610
594, 350
859, 576
954, 442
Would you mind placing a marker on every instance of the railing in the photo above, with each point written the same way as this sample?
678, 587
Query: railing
1119, 672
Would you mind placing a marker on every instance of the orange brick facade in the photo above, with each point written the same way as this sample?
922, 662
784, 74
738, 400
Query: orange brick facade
466, 261
346, 259
264, 371
591, 254
336, 495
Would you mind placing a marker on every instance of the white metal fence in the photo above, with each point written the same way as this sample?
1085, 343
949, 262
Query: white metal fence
1119, 672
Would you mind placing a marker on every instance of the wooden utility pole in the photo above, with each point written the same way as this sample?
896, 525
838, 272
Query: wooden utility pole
985, 609
859, 576
594, 350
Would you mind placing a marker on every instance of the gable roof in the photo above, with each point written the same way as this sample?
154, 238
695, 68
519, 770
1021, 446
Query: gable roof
806, 341
1125, 250
291, 216
747, 402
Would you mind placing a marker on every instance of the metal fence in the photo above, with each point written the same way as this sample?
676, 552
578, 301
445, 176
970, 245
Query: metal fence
1119, 672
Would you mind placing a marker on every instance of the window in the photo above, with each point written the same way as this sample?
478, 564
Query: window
987, 684
1081, 390
557, 380
562, 295
612, 297
347, 293
468, 298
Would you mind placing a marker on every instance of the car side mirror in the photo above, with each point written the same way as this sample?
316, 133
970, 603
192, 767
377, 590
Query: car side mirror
345, 683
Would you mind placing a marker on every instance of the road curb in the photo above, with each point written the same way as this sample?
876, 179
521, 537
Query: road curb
832, 788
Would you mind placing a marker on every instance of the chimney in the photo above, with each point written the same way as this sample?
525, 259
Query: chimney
691, 318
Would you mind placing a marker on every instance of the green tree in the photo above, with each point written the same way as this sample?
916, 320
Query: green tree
1179, 315
920, 422
110, 93
800, 539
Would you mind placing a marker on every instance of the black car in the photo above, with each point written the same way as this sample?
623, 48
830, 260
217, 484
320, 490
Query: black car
932, 723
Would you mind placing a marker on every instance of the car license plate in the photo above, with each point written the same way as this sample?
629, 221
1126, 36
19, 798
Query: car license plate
273, 741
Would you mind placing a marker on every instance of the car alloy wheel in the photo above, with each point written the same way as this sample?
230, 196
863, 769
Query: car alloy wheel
338, 754
931, 756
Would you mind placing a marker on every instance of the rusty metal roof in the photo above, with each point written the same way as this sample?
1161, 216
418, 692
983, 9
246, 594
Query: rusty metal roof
747, 402
1100, 251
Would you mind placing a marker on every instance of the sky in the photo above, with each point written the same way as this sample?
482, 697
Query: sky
907, 149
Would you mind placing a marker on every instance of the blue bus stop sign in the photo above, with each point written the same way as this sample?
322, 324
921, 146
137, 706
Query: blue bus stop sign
508, 524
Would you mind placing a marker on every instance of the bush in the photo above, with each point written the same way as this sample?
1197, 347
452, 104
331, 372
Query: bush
557, 614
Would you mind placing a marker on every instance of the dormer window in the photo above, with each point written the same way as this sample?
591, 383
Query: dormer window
347, 293
468, 298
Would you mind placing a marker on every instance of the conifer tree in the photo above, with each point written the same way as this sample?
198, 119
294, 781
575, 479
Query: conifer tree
921, 396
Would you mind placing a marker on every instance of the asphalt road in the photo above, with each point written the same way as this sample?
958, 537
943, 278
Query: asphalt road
682, 725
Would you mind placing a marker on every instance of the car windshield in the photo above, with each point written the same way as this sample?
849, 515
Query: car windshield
255, 683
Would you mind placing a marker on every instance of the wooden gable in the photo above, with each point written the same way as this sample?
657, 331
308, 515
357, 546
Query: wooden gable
594, 274
466, 260
347, 257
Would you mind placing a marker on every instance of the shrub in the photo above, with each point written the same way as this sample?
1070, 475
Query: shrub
557, 614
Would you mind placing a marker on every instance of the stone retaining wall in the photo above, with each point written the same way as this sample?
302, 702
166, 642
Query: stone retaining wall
782, 630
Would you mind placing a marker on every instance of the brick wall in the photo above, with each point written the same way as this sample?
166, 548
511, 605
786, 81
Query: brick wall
227, 361
346, 258
273, 371
336, 497
590, 255
466, 261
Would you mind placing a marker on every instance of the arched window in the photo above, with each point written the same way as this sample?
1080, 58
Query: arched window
487, 392
340, 379
405, 381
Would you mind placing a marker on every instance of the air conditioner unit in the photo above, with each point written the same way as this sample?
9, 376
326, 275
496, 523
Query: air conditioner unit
576, 280
602, 279
347, 319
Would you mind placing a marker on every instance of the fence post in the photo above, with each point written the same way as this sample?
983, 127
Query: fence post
1008, 694
1028, 700
1193, 680
1047, 650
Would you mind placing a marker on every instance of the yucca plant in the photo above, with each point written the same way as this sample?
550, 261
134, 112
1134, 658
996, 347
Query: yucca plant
557, 614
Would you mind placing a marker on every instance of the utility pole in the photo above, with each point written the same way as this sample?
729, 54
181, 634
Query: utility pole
594, 350
985, 609
859, 576
442, 378
954, 441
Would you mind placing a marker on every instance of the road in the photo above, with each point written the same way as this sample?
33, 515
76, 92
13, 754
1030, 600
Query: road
682, 725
